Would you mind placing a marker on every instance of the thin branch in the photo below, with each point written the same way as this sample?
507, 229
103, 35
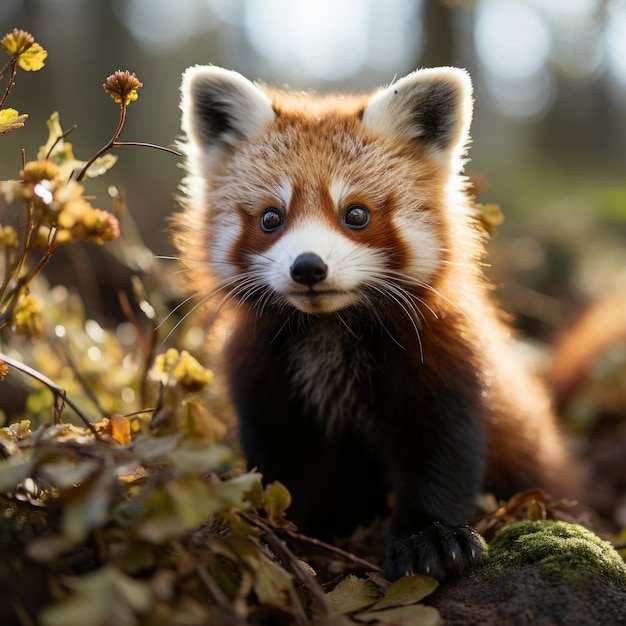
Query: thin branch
143, 144
81, 379
13, 64
114, 143
215, 591
289, 559
106, 146
294, 566
60, 395
148, 346
348, 556
62, 136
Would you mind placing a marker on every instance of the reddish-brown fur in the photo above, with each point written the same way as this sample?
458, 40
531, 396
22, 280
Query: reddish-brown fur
462, 359
522, 432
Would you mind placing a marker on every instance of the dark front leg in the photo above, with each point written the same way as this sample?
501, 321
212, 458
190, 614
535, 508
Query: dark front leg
283, 446
436, 468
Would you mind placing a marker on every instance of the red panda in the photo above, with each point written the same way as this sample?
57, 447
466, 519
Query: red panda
364, 355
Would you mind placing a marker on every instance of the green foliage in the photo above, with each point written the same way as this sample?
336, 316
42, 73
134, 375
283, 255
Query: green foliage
121, 502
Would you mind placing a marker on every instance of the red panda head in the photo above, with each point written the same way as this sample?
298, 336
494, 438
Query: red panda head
324, 202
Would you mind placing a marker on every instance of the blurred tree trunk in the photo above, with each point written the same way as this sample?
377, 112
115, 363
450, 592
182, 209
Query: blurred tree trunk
439, 30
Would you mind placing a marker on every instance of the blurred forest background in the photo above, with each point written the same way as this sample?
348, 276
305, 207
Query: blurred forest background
549, 132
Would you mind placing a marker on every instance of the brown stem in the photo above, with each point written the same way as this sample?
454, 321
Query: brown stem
60, 395
110, 144
114, 143
13, 64
13, 272
348, 556
81, 379
289, 559
63, 135
142, 144
148, 346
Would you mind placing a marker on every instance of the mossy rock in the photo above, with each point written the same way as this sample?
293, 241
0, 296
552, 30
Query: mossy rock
568, 550
540, 573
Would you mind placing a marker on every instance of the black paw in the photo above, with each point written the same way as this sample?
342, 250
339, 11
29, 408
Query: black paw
438, 551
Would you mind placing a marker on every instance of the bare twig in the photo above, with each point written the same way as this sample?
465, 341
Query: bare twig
327, 547
289, 559
114, 143
63, 135
60, 395
148, 345
13, 64
81, 379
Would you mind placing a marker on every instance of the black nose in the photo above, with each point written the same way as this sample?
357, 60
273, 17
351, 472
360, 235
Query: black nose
309, 269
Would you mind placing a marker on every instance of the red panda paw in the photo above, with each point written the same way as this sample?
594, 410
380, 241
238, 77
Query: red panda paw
438, 551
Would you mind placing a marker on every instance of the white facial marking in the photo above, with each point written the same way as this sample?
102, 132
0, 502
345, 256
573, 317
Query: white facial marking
338, 190
284, 191
350, 265
225, 234
423, 244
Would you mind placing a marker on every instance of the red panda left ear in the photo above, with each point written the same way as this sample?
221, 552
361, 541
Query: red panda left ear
221, 109
432, 106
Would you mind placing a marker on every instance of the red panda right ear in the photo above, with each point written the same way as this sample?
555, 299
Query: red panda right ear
220, 108
430, 106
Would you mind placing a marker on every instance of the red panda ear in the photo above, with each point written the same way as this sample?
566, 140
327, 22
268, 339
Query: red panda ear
220, 108
432, 106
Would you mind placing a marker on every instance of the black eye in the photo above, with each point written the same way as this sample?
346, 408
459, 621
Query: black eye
356, 216
271, 220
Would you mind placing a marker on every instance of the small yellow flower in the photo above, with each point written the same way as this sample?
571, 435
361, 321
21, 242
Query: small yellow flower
17, 42
190, 374
490, 216
36, 171
180, 368
100, 226
33, 59
78, 220
27, 317
162, 366
4, 370
21, 45
122, 87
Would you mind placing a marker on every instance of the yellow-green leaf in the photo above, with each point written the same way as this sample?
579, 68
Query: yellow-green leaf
33, 59
276, 500
352, 594
199, 457
242, 491
273, 583
10, 120
106, 596
192, 499
55, 149
61, 152
87, 506
407, 590
100, 166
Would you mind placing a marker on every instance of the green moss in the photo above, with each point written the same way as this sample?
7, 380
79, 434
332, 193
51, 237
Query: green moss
570, 550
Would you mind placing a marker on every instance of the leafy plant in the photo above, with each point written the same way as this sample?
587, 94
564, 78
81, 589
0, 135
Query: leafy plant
139, 499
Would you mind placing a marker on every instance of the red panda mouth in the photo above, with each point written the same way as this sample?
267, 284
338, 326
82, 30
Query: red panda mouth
321, 301
315, 293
